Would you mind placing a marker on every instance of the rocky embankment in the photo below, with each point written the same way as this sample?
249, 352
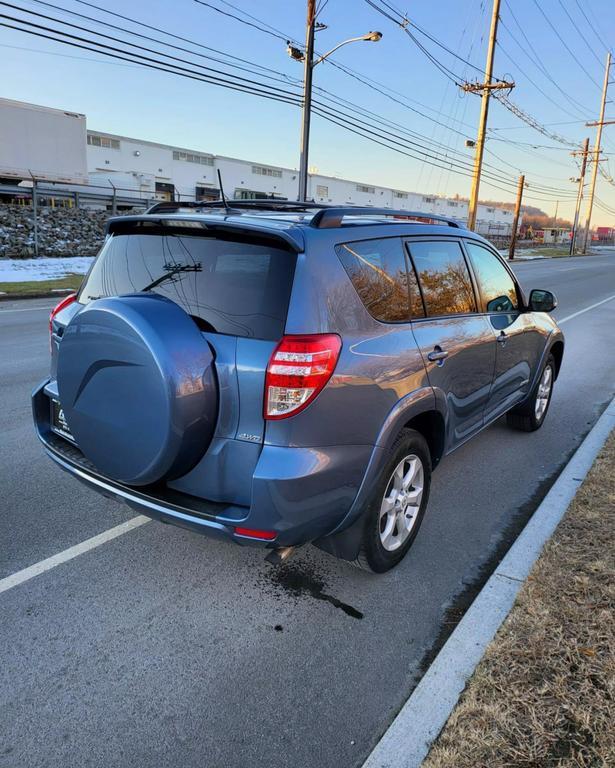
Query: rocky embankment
61, 231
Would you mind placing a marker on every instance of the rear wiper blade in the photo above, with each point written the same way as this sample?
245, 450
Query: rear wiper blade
196, 267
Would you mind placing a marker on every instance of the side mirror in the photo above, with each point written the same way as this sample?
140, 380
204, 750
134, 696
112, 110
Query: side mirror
542, 301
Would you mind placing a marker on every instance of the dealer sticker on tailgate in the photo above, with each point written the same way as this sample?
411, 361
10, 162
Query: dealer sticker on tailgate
58, 421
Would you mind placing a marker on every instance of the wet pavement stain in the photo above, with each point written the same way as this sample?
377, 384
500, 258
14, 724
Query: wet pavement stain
300, 580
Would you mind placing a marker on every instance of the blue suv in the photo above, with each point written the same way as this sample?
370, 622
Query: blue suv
279, 373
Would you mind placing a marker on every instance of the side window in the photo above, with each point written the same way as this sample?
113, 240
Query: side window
496, 285
377, 269
444, 277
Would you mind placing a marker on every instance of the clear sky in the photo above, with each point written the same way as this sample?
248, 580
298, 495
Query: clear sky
551, 86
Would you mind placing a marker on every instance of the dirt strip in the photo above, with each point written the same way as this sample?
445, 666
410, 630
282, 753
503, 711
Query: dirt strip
544, 693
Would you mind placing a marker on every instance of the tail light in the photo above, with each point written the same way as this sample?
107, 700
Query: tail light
299, 368
252, 533
59, 307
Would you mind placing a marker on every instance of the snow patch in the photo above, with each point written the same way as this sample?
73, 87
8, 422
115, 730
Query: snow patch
35, 270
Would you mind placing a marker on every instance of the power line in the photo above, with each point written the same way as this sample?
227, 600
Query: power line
336, 116
243, 21
375, 85
594, 30
237, 78
333, 115
142, 24
164, 67
531, 121
282, 77
537, 61
403, 21
533, 82
403, 24
578, 30
565, 44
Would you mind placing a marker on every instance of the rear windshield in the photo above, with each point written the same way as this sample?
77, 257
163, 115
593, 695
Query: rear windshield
230, 287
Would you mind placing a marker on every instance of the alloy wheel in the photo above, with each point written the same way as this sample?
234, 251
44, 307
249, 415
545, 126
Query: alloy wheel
544, 392
400, 505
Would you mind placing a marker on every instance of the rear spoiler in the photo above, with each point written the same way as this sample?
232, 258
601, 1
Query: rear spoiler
198, 224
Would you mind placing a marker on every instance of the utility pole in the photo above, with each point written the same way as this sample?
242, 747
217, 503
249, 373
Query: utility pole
308, 69
513, 234
555, 217
592, 186
486, 87
577, 209
307, 57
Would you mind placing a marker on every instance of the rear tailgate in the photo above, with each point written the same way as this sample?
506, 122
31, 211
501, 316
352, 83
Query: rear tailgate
236, 288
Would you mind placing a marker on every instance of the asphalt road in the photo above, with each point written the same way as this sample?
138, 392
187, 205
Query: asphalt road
162, 648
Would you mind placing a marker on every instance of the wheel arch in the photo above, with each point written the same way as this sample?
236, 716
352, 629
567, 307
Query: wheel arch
418, 411
557, 350
431, 425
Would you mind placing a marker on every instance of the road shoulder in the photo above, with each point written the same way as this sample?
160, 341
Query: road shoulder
409, 738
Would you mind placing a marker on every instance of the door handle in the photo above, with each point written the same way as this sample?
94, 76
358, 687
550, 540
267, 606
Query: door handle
502, 338
438, 355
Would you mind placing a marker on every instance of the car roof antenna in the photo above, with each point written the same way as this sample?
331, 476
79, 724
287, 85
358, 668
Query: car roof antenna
227, 208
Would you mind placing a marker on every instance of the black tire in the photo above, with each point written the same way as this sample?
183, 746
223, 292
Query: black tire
523, 417
373, 556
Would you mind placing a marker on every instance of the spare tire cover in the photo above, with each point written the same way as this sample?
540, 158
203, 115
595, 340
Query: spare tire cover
137, 384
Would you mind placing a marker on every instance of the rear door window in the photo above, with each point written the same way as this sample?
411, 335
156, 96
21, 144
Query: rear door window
229, 287
444, 277
377, 270
496, 286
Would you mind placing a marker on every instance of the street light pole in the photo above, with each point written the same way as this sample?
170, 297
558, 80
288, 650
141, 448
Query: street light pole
308, 70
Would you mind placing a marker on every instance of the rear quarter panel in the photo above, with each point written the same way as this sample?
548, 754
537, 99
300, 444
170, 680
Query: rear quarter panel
379, 363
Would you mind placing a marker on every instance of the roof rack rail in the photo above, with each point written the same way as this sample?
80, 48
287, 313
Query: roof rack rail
238, 205
331, 216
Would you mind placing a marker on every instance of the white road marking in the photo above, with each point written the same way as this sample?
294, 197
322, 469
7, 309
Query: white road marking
68, 554
582, 311
29, 309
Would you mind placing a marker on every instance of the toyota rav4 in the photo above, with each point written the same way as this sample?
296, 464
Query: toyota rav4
278, 373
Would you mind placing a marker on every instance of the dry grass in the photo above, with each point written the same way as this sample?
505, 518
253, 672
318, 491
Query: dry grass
544, 694
35, 287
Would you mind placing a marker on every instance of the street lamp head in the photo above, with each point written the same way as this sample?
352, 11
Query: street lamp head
373, 37
295, 53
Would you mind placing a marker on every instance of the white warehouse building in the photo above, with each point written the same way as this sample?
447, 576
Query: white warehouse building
161, 172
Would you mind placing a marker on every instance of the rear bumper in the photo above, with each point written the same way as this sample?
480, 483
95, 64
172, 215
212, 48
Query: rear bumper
300, 493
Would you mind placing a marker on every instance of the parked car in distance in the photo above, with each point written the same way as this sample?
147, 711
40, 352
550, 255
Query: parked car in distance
279, 373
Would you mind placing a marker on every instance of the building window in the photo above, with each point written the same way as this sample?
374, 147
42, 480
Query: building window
189, 157
429, 199
490, 210
261, 170
400, 195
249, 194
322, 190
364, 188
452, 204
103, 141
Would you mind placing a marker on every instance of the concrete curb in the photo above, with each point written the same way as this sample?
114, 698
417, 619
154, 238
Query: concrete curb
58, 293
407, 741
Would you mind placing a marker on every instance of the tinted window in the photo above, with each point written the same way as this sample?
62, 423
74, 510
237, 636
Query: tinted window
444, 278
496, 285
378, 272
230, 287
